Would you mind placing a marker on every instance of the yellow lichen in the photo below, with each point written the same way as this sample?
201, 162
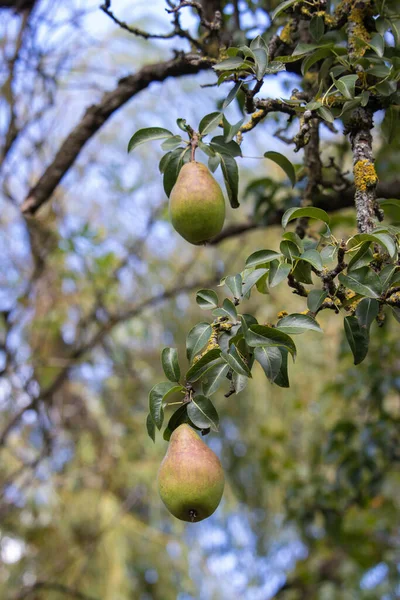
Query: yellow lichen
311, 76
286, 33
329, 20
254, 119
282, 313
364, 175
359, 32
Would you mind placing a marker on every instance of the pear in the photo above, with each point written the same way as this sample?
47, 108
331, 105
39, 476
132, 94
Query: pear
196, 205
190, 478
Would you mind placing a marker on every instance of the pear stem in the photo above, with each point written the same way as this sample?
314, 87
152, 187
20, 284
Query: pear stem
194, 142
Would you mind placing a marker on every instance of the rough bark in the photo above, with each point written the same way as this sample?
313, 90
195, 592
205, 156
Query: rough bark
365, 177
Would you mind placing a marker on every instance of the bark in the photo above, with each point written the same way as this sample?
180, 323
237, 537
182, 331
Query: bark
365, 177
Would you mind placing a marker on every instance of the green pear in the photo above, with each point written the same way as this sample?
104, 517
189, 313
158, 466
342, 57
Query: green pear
196, 204
190, 478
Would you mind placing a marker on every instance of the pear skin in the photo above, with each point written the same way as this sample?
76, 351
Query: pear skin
190, 478
196, 204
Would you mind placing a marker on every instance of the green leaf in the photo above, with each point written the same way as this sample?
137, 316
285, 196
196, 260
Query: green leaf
172, 168
302, 272
201, 411
275, 67
157, 395
278, 273
258, 42
381, 238
233, 131
270, 359
298, 323
293, 237
262, 335
219, 144
367, 310
207, 299
170, 364
357, 339
182, 124
232, 94
214, 162
164, 161
281, 8
177, 418
395, 27
231, 177
231, 64
262, 285
303, 48
261, 60
206, 148
317, 27
236, 361
282, 379
314, 258
234, 283
361, 258
197, 338
309, 61
310, 211
246, 321
261, 257
363, 281
326, 114
386, 276
289, 250
239, 382
172, 142
284, 163
214, 378
147, 135
251, 279
210, 122
200, 367
346, 85
228, 309
315, 299
151, 428
377, 44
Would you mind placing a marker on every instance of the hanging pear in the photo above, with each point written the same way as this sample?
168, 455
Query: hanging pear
190, 478
196, 205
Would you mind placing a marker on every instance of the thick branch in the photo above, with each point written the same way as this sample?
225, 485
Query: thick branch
312, 161
96, 115
365, 178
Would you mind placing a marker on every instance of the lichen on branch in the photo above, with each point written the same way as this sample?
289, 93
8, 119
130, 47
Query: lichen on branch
365, 178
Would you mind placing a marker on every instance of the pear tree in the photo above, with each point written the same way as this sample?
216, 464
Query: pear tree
347, 55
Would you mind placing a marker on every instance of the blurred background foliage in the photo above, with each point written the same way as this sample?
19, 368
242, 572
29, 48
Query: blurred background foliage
311, 507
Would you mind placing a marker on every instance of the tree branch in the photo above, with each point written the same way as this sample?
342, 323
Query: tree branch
365, 178
177, 31
328, 202
95, 117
